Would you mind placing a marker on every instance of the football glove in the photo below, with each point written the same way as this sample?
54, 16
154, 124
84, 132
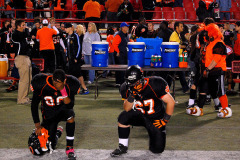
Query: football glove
160, 123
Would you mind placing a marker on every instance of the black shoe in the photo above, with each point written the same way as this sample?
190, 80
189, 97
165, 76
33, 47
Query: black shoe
70, 153
119, 151
59, 131
83, 92
217, 107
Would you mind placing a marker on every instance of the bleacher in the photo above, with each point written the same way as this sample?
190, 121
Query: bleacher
188, 11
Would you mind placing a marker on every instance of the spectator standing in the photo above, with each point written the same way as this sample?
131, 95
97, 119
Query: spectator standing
60, 49
29, 13
137, 6
80, 4
59, 6
93, 11
3, 33
22, 62
9, 12
112, 9
224, 5
175, 37
39, 5
90, 36
120, 42
237, 50
19, 4
142, 29
45, 37
74, 51
221, 28
148, 5
125, 12
33, 34
201, 11
164, 32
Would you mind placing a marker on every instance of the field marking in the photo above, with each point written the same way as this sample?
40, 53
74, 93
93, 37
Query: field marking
99, 154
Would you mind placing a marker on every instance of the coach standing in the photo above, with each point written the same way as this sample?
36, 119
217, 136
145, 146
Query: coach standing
22, 62
47, 49
120, 42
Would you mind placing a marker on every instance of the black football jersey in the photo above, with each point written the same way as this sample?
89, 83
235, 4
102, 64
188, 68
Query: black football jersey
148, 101
51, 98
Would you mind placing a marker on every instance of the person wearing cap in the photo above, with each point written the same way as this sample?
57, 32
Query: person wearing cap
119, 43
47, 49
74, 53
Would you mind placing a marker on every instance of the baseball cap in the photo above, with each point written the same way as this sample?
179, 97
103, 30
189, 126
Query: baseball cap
123, 24
45, 22
67, 25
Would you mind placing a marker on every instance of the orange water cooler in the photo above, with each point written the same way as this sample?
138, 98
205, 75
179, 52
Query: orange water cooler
3, 65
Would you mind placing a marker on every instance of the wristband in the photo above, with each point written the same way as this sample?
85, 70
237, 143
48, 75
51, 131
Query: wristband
130, 99
166, 117
64, 92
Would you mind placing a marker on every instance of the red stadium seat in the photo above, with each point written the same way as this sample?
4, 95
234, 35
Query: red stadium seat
188, 5
236, 15
168, 15
234, 9
192, 16
178, 9
166, 8
187, 1
179, 15
157, 15
196, 5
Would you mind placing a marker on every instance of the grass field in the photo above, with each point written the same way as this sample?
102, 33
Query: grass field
188, 137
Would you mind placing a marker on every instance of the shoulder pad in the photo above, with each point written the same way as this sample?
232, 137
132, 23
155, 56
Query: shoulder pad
73, 83
38, 82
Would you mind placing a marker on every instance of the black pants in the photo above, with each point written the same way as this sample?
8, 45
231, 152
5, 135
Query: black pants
122, 59
157, 137
51, 120
49, 60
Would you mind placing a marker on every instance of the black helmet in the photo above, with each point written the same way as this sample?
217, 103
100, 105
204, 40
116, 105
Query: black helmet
34, 145
133, 74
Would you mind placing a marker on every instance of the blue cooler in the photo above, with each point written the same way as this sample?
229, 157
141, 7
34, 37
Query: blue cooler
153, 47
170, 52
136, 51
99, 54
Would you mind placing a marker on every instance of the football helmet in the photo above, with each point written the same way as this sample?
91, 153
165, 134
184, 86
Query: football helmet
35, 146
134, 78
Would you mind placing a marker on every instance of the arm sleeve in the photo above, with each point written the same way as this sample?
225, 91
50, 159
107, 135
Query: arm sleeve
56, 30
116, 42
77, 47
220, 49
34, 107
62, 44
124, 91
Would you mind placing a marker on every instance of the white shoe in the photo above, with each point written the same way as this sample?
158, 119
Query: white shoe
89, 82
225, 113
195, 111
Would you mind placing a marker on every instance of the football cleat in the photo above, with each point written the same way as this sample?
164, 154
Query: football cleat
225, 113
70, 153
119, 151
195, 111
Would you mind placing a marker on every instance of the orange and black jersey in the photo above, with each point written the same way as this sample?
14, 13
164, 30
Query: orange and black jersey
51, 99
148, 101
56, 38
